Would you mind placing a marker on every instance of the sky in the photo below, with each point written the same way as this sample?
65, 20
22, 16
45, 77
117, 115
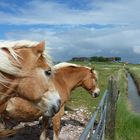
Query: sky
75, 28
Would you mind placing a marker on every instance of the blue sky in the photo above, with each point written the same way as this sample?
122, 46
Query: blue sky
74, 28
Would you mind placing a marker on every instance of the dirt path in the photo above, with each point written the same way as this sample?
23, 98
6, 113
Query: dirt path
73, 123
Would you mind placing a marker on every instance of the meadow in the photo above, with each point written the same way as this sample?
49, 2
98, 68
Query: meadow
135, 73
127, 122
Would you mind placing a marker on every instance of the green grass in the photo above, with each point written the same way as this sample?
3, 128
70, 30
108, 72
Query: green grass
135, 71
127, 123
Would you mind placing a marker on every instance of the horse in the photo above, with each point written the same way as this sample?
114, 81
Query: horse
26, 86
67, 77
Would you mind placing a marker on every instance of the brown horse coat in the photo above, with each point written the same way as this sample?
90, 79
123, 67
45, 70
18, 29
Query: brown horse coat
23, 68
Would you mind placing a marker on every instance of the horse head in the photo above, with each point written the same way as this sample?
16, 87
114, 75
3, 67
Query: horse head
26, 64
90, 82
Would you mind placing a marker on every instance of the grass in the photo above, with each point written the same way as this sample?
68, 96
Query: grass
135, 72
127, 123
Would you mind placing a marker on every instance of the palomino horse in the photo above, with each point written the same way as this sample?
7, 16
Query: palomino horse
25, 83
67, 77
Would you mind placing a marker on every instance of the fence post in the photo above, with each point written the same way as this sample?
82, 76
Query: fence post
111, 108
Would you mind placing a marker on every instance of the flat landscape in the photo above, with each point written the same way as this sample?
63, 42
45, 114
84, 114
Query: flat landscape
127, 120
81, 104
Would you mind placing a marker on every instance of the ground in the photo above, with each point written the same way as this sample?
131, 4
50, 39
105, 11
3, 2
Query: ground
73, 123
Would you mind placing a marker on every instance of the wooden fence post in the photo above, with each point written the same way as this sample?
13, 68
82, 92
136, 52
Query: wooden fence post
111, 108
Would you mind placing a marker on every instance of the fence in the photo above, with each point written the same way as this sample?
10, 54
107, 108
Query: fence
105, 113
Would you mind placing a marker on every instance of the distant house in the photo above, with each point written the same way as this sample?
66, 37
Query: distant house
111, 59
80, 59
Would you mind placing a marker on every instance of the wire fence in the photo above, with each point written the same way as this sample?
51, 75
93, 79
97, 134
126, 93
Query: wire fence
103, 114
88, 132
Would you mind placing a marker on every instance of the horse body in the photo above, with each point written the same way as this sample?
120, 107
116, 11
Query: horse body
67, 77
70, 76
24, 85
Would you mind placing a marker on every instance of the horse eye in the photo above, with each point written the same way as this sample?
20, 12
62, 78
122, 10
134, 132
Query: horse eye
48, 72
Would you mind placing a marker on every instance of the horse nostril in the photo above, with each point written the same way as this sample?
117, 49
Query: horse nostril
59, 102
55, 109
95, 94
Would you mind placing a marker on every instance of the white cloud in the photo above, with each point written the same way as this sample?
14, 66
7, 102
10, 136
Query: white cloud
136, 49
85, 42
43, 12
122, 39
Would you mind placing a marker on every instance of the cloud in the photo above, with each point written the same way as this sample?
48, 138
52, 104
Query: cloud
66, 44
136, 49
100, 12
101, 28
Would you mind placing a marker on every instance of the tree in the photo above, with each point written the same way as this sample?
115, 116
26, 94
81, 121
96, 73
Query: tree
118, 59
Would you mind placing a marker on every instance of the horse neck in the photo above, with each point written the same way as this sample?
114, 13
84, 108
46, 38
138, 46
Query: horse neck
73, 78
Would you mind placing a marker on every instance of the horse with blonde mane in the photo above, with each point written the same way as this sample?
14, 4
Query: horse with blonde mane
26, 87
67, 77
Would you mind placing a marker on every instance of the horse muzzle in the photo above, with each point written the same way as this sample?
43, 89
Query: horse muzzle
50, 103
96, 92
53, 109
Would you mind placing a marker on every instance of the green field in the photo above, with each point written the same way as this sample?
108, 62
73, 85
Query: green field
127, 123
135, 72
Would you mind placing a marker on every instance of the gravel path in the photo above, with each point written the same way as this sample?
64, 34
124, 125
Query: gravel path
73, 123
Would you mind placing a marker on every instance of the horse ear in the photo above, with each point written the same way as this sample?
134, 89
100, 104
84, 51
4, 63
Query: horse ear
39, 48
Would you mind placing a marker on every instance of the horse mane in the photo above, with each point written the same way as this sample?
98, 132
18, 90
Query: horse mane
66, 64
63, 65
6, 66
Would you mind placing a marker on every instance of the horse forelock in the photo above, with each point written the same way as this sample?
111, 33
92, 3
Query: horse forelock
95, 73
6, 66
